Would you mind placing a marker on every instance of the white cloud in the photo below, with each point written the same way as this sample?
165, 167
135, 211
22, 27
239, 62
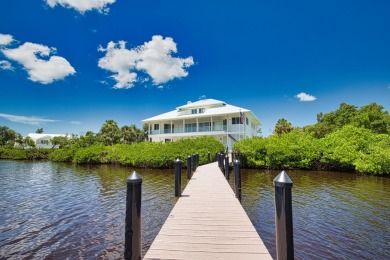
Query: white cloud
76, 122
30, 120
157, 61
303, 97
121, 61
6, 39
83, 5
5, 65
153, 58
40, 70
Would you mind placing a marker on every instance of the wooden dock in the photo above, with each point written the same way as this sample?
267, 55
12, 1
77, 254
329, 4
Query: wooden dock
208, 222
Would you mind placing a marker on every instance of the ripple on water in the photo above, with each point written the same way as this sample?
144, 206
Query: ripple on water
59, 211
66, 211
335, 215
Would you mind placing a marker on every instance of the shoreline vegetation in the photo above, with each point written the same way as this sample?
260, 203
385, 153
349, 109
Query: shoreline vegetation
349, 139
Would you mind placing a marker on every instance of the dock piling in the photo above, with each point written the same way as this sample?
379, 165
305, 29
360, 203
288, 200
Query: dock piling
189, 167
283, 217
227, 167
193, 162
133, 238
237, 178
177, 178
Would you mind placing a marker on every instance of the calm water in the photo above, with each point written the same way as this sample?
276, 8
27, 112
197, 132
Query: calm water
58, 211
335, 215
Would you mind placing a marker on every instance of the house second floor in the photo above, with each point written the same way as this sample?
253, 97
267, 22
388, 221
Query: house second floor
204, 117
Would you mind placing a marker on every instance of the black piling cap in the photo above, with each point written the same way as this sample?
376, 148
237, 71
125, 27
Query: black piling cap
237, 161
283, 180
134, 178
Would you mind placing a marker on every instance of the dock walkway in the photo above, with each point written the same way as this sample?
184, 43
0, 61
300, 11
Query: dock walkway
208, 222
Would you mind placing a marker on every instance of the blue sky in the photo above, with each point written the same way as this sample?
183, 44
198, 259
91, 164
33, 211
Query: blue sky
67, 66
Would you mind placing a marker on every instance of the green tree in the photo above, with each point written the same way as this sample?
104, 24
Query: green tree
128, 134
375, 118
377, 158
145, 135
344, 115
371, 116
39, 131
59, 141
89, 139
131, 134
28, 142
282, 126
295, 149
110, 133
343, 147
7, 135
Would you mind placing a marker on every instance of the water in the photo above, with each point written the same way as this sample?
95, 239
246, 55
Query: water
59, 211
335, 215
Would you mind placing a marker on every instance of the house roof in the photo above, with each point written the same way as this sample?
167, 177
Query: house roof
202, 103
213, 108
35, 136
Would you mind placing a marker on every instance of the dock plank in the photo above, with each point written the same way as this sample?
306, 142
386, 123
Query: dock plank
208, 222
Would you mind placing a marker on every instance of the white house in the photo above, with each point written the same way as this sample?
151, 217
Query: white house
43, 140
211, 117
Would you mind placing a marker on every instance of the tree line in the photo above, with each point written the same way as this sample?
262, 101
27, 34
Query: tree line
110, 133
349, 138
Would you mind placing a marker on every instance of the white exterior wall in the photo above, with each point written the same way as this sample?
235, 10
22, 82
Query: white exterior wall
223, 133
43, 140
203, 118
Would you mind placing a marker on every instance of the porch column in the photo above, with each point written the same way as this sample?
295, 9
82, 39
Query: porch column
227, 123
211, 124
197, 124
171, 131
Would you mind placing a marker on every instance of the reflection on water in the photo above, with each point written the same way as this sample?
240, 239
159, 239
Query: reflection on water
63, 211
335, 215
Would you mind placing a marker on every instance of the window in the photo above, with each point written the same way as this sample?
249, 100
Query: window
190, 127
201, 110
44, 141
194, 111
204, 127
156, 127
247, 121
236, 120
167, 128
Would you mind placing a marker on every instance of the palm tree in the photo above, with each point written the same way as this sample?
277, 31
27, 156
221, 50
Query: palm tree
110, 133
282, 126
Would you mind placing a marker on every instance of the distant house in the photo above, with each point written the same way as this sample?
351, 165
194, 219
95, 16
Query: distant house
208, 117
43, 140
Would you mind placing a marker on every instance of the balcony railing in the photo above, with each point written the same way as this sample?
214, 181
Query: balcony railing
191, 129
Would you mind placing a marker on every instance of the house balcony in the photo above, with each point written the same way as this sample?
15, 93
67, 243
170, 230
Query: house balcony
191, 129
